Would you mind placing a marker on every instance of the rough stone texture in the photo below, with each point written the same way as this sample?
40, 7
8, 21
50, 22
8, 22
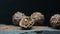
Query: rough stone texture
14, 28
38, 18
26, 22
55, 21
17, 17
9, 27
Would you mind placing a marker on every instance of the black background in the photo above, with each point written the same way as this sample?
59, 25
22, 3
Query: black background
9, 7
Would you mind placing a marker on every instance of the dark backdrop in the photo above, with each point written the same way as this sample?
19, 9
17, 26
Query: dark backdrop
9, 7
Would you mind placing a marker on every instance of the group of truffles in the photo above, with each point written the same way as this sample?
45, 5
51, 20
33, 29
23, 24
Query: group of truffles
36, 18
27, 21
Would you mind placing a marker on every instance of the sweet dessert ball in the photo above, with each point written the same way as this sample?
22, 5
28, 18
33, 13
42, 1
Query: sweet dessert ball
38, 18
26, 22
17, 17
55, 21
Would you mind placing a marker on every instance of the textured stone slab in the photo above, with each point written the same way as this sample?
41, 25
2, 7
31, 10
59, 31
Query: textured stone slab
11, 27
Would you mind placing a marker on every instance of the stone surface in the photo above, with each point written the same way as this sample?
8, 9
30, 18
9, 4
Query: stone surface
10, 29
14, 28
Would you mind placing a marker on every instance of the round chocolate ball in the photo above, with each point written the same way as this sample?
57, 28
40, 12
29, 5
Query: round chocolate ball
26, 22
17, 17
38, 18
55, 21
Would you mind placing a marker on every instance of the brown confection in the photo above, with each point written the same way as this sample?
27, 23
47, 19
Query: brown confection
17, 17
55, 21
26, 22
38, 18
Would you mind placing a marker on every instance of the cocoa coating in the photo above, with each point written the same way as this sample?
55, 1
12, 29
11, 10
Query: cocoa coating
55, 21
17, 17
38, 18
26, 22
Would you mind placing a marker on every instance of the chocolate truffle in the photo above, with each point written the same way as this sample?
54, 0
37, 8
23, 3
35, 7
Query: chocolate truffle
38, 18
55, 21
17, 17
26, 22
